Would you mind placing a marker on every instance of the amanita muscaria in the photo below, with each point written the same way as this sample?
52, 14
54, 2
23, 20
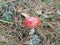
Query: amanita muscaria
30, 22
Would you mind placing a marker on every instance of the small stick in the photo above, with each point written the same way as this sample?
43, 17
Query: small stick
25, 15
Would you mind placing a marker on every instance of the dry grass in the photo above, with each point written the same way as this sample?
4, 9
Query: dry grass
16, 34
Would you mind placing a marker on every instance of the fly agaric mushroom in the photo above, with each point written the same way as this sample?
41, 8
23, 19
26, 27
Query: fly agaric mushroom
30, 22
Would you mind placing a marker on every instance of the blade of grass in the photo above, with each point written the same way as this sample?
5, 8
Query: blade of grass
3, 43
5, 21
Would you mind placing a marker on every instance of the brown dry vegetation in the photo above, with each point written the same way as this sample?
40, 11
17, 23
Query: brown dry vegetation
14, 33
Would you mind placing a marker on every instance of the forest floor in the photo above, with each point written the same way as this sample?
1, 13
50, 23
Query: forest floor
12, 30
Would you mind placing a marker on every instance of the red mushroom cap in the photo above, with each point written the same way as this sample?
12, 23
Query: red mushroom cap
31, 22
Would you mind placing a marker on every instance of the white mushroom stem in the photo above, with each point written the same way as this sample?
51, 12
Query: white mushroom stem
32, 31
25, 15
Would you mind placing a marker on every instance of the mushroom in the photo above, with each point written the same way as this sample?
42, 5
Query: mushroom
30, 22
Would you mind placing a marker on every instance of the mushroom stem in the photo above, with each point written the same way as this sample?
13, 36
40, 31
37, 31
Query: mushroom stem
32, 31
25, 15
